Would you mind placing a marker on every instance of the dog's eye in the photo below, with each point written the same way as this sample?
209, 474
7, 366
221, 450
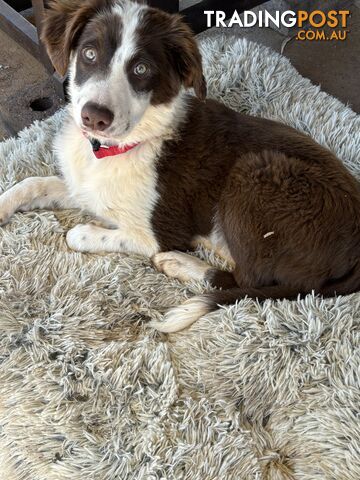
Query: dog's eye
141, 69
89, 54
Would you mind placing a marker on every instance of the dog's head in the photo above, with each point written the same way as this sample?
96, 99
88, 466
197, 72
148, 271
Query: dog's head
124, 58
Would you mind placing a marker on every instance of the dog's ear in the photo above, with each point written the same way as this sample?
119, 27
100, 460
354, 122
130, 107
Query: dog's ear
186, 56
62, 26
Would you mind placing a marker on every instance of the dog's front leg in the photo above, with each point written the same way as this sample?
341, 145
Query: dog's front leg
94, 239
32, 193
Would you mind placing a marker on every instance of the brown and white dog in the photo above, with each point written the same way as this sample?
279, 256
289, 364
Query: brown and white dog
165, 170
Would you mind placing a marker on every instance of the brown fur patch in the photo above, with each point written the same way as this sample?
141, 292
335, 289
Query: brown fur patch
104, 33
256, 176
168, 43
64, 21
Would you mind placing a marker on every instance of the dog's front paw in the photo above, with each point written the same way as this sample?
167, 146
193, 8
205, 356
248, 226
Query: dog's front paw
82, 238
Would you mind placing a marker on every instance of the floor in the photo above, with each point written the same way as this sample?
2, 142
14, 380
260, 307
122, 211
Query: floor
334, 65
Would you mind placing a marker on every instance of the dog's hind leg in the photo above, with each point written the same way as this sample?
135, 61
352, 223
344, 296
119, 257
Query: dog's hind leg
186, 267
181, 266
33, 193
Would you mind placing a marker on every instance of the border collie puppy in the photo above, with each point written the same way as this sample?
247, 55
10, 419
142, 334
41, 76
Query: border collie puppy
165, 171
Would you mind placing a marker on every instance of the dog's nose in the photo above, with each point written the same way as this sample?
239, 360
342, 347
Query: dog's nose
96, 117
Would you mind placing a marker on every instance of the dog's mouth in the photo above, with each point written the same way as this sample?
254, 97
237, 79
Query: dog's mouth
110, 138
103, 139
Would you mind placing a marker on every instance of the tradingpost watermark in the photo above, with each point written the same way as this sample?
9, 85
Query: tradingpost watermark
320, 25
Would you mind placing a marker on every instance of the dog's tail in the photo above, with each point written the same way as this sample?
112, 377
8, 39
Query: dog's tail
184, 315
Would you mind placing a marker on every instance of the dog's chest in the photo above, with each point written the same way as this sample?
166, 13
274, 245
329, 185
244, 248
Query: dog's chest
120, 189
124, 193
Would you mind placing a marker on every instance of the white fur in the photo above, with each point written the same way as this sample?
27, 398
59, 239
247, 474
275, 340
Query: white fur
182, 266
130, 14
120, 189
112, 89
181, 317
32, 193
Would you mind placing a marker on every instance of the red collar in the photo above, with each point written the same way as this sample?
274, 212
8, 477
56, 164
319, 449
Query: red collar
102, 151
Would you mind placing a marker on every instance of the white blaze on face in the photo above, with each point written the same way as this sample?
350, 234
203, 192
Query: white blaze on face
112, 88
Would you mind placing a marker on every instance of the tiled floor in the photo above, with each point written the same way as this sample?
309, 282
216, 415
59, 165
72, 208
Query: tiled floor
333, 65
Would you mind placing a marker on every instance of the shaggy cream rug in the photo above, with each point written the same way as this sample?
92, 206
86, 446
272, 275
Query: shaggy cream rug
88, 391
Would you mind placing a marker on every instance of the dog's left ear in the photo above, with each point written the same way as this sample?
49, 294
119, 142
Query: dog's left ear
186, 56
